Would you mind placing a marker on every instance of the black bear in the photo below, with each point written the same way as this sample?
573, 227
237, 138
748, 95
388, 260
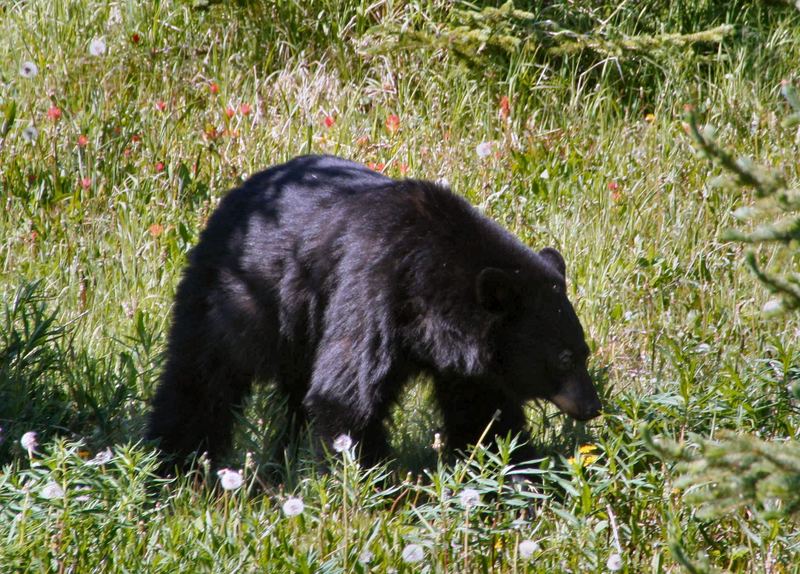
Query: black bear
341, 284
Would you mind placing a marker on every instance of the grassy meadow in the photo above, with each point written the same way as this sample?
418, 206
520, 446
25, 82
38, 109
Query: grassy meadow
123, 125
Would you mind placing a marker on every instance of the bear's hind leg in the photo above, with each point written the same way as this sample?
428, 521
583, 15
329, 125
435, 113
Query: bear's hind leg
194, 408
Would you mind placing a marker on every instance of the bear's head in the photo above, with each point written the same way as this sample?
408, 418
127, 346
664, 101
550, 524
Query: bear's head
539, 346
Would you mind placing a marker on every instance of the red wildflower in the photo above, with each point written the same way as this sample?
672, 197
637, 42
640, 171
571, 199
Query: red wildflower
329, 121
213, 87
83, 141
159, 167
161, 105
504, 108
376, 166
230, 112
136, 138
86, 182
403, 167
136, 38
392, 123
156, 229
54, 113
616, 194
245, 109
211, 132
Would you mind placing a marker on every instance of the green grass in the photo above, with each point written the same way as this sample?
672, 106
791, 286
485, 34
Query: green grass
94, 237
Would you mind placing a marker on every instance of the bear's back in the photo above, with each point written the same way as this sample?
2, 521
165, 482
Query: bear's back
314, 209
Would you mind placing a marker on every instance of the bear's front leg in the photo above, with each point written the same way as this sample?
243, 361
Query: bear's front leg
333, 415
344, 399
469, 406
355, 377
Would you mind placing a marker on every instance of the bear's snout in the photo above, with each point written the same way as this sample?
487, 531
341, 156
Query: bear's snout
578, 398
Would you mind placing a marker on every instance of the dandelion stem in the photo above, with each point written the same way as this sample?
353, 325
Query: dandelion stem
614, 529
346, 536
466, 541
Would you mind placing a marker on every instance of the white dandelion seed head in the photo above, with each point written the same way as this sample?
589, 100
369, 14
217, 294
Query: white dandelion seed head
614, 563
772, 306
438, 445
527, 548
366, 556
484, 149
30, 134
342, 443
83, 497
702, 348
413, 553
114, 16
29, 442
230, 479
102, 457
28, 70
97, 47
293, 506
51, 490
545, 174
469, 497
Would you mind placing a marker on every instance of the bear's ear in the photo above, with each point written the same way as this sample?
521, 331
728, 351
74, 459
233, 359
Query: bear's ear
554, 258
497, 291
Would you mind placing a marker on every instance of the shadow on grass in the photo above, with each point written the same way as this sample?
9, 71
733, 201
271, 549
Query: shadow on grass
50, 386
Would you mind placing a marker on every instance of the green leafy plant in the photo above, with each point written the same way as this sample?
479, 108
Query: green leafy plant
776, 210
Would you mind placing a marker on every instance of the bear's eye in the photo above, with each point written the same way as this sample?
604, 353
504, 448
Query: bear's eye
565, 359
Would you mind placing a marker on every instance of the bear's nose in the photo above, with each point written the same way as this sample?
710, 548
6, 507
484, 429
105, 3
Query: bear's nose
592, 410
578, 398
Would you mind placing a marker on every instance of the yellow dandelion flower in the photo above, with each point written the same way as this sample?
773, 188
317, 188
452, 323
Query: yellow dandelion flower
589, 459
650, 118
587, 448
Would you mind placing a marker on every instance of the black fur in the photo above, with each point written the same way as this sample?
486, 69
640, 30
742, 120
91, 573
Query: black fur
340, 284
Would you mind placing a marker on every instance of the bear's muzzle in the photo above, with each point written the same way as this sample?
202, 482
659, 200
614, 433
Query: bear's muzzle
578, 398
